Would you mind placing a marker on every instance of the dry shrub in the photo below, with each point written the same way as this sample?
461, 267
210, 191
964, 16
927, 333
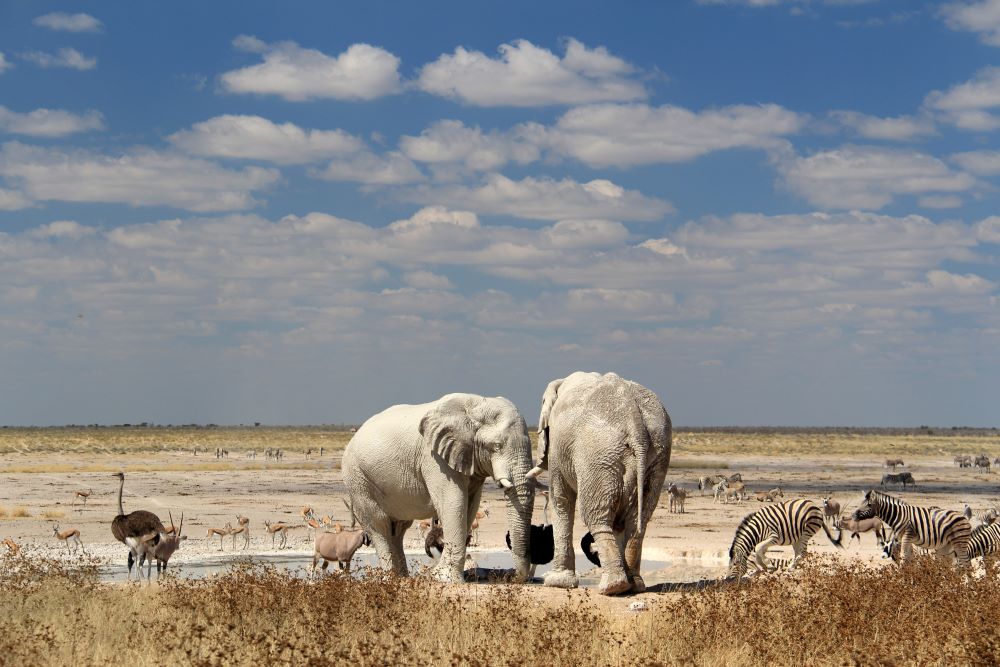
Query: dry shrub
53, 514
827, 614
20, 512
3, 512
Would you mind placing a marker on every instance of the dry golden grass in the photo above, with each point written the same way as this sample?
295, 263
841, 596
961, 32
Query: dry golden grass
3, 512
925, 613
20, 512
114, 465
53, 514
832, 444
126, 440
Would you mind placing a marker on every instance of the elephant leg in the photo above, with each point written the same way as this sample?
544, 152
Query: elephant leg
614, 579
452, 506
563, 572
396, 536
634, 537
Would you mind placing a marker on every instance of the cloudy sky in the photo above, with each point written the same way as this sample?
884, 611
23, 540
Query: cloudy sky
768, 211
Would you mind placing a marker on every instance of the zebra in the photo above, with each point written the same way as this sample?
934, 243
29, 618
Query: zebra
793, 522
984, 541
943, 531
898, 478
982, 461
984, 517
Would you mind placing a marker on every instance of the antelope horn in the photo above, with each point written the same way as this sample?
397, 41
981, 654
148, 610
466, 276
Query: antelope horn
180, 527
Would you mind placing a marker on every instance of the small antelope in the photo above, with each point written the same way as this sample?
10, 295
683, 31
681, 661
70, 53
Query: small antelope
307, 513
244, 530
221, 532
279, 527
831, 509
12, 546
67, 536
423, 526
339, 547
81, 494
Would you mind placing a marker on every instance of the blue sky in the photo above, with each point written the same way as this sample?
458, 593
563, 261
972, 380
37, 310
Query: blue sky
768, 211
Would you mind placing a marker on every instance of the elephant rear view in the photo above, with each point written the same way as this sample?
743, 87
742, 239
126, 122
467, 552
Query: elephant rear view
413, 462
607, 441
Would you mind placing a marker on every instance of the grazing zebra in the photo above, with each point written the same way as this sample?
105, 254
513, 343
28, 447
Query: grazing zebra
793, 522
707, 482
984, 517
902, 478
985, 540
677, 498
943, 531
982, 461
892, 463
773, 564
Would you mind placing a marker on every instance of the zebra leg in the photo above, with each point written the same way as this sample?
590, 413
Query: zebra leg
760, 556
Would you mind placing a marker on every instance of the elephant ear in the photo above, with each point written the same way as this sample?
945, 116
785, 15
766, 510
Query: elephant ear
449, 432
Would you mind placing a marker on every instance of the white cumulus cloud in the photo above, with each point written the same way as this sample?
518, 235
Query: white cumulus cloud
49, 122
141, 177
362, 72
545, 199
367, 168
525, 75
983, 163
898, 128
981, 16
256, 138
68, 22
868, 177
969, 105
68, 58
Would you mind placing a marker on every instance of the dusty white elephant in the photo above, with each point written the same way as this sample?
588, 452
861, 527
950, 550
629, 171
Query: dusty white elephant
606, 440
413, 462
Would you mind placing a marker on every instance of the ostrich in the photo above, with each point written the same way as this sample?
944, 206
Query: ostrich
135, 528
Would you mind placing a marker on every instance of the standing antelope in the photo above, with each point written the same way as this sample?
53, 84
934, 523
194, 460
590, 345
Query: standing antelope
279, 527
831, 510
163, 549
67, 536
221, 532
244, 530
81, 494
339, 547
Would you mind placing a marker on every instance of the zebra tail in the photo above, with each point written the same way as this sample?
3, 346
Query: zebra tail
840, 535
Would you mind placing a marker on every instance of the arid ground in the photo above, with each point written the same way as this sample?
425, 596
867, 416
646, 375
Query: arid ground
839, 611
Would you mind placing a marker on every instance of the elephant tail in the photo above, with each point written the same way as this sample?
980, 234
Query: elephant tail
639, 439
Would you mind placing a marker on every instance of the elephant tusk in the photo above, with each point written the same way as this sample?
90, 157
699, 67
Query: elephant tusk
506, 483
534, 472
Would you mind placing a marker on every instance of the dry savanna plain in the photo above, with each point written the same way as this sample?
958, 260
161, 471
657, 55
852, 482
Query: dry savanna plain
227, 603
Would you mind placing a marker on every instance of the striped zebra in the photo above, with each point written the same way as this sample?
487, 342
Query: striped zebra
984, 541
940, 530
793, 522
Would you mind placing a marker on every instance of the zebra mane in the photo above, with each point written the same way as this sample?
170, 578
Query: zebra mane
739, 531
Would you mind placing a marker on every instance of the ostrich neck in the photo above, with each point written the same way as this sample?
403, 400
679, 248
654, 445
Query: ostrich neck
121, 510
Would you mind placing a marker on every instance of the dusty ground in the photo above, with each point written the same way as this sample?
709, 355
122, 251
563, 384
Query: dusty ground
695, 542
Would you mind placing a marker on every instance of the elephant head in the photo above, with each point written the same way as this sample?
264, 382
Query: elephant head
487, 437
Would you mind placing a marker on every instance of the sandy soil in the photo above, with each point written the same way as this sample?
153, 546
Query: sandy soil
698, 539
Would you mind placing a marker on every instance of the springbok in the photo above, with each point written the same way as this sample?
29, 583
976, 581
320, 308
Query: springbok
221, 532
244, 530
279, 527
81, 494
67, 536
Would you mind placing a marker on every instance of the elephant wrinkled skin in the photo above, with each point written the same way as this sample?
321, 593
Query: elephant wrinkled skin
606, 440
413, 462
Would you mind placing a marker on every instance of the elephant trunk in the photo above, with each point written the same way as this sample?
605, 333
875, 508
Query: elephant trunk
520, 504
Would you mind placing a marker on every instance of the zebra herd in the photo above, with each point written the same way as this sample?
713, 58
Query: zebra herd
794, 522
982, 462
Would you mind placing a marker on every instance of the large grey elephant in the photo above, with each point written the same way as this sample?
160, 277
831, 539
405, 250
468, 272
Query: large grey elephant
413, 462
606, 440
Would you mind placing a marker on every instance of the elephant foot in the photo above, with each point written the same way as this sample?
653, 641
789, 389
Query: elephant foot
562, 579
613, 584
638, 584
